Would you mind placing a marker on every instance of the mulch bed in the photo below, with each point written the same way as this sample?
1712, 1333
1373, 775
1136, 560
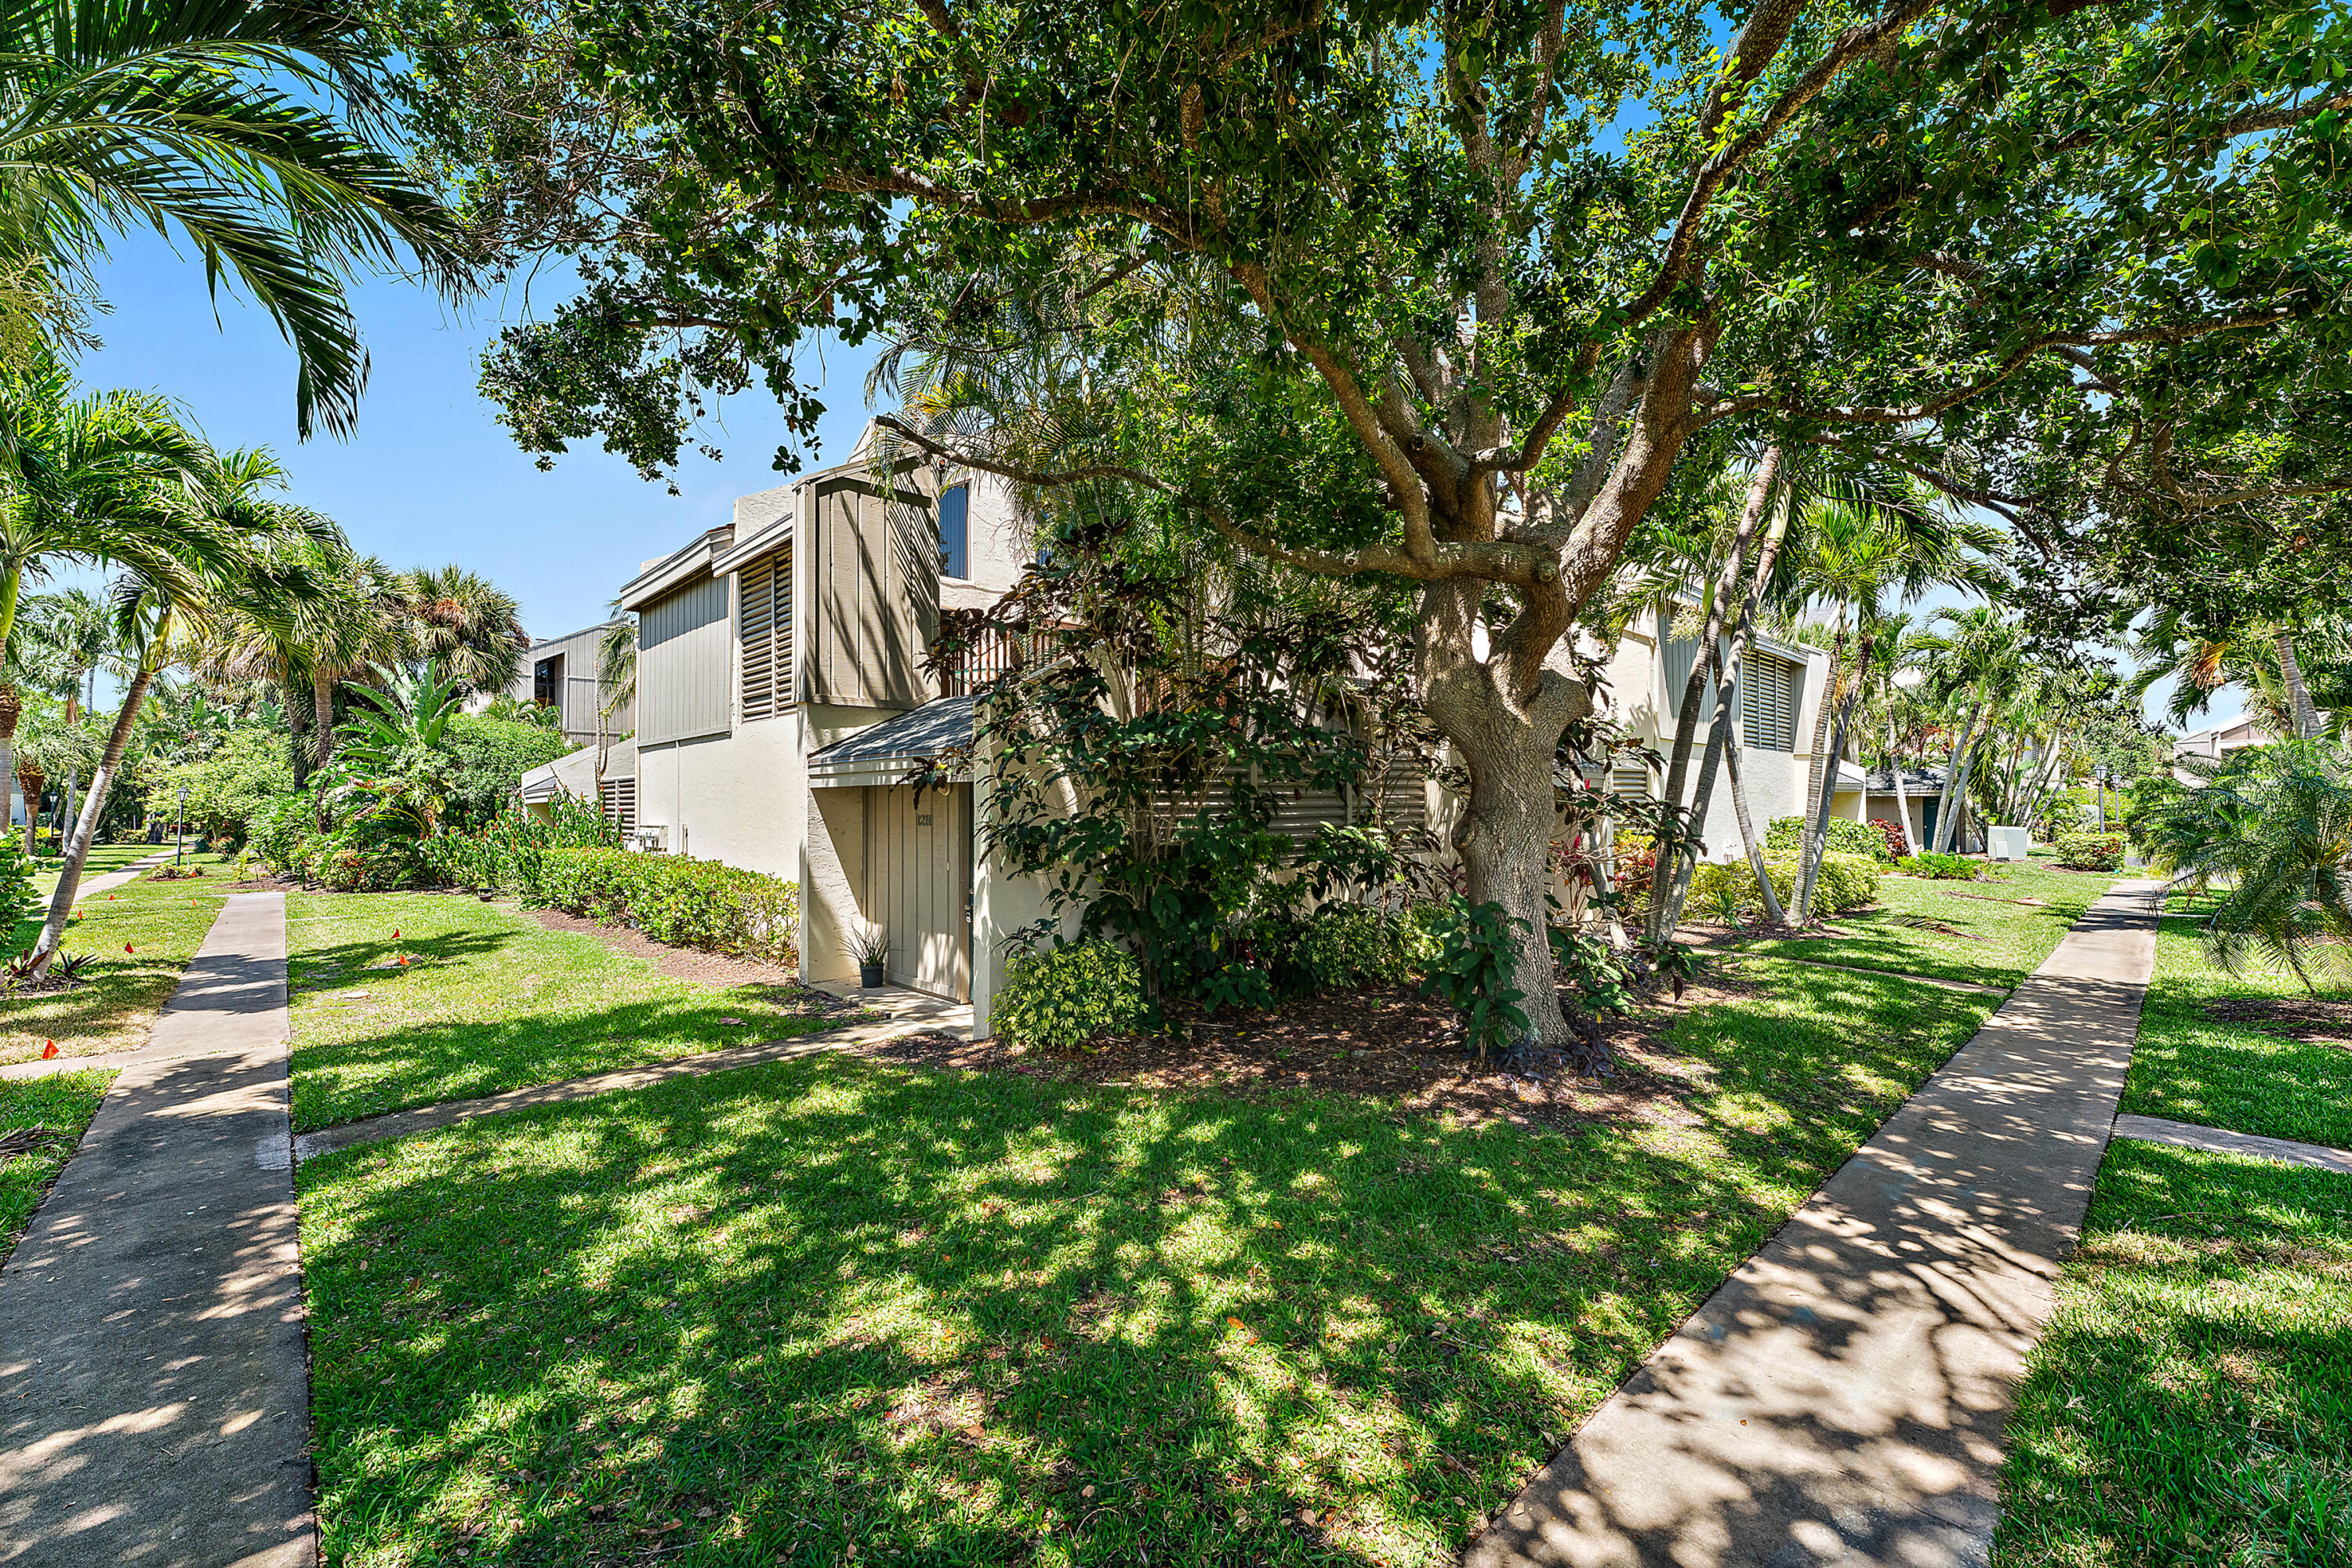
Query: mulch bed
2306, 1018
1393, 1045
682, 962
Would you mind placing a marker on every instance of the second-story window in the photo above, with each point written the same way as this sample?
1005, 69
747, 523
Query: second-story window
546, 683
955, 531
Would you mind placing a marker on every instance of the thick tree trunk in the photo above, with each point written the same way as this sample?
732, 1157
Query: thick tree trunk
322, 699
1724, 739
1508, 742
2299, 702
1832, 737
1943, 833
33, 782
1967, 763
61, 902
1773, 912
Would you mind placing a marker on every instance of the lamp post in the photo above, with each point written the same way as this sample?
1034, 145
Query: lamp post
180, 838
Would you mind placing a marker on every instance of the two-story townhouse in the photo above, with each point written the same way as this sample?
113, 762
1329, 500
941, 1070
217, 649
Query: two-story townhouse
782, 700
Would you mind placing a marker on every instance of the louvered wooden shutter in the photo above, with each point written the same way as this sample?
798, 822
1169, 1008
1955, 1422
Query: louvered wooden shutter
765, 592
1768, 704
619, 800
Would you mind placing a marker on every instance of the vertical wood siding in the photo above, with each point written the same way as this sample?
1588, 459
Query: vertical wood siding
917, 871
876, 596
686, 667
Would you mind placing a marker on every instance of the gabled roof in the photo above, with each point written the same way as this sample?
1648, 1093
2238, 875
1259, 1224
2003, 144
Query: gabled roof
894, 747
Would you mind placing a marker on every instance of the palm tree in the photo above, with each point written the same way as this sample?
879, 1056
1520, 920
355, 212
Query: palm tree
225, 534
204, 121
74, 625
65, 463
1972, 664
1859, 555
465, 624
616, 681
2274, 826
346, 620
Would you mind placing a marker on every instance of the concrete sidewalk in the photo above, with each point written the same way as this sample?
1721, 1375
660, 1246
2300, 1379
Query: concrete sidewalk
1843, 1398
153, 1396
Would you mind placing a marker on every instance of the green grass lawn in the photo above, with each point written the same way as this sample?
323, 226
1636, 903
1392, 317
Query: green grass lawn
161, 924
2003, 942
763, 1316
59, 1106
2246, 1076
2193, 1403
490, 1000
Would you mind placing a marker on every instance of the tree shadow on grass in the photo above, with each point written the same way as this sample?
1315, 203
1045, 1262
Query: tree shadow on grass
2193, 1400
975, 1319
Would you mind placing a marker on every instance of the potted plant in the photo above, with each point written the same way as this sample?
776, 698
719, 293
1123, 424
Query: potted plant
870, 945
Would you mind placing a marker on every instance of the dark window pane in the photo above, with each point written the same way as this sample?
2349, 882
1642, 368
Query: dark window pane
955, 531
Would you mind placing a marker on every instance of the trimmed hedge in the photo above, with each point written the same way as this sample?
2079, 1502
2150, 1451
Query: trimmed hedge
1847, 882
2087, 849
686, 903
1941, 868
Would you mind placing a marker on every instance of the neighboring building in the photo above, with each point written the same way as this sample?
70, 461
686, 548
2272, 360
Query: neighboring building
1778, 700
561, 673
2215, 742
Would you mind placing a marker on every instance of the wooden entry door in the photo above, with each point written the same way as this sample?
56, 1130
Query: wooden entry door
918, 885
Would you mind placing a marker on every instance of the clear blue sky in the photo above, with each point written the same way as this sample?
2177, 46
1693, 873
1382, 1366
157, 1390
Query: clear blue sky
431, 478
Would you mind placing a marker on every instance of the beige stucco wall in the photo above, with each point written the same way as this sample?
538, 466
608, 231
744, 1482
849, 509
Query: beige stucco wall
1776, 781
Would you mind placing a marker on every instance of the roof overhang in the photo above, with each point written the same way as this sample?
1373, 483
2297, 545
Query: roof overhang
890, 750
677, 569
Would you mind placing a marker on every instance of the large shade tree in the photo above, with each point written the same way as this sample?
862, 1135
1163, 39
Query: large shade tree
1454, 294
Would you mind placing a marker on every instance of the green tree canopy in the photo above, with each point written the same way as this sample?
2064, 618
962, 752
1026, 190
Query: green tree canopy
1455, 294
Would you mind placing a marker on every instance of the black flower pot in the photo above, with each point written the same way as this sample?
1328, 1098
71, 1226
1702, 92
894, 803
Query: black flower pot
869, 975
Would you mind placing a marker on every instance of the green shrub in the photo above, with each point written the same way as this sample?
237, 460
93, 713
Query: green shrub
1349, 946
365, 855
1784, 835
1847, 882
2086, 850
491, 755
1942, 868
1061, 997
18, 901
280, 832
243, 776
686, 903
505, 857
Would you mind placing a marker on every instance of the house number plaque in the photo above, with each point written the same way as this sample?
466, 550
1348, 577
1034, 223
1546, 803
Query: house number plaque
923, 820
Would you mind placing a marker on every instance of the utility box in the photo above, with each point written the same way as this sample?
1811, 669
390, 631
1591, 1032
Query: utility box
2009, 844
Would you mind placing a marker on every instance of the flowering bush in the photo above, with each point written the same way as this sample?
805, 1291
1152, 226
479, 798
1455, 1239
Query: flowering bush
1898, 843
